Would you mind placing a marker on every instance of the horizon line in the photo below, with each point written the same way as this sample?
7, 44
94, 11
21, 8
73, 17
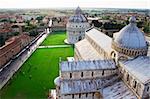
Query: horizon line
75, 7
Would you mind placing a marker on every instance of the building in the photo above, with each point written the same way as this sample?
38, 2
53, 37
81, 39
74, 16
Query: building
76, 27
107, 68
12, 47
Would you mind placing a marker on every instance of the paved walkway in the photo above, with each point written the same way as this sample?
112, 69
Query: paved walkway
54, 46
15, 64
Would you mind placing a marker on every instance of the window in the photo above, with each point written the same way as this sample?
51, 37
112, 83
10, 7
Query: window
70, 75
92, 74
128, 77
81, 74
147, 88
135, 83
93, 94
86, 94
72, 96
79, 95
103, 72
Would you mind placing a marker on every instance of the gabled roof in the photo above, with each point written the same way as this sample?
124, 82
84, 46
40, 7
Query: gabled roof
100, 39
139, 68
85, 85
118, 90
87, 65
86, 50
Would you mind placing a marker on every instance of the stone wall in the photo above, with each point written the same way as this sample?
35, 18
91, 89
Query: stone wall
140, 89
88, 74
128, 51
94, 95
76, 31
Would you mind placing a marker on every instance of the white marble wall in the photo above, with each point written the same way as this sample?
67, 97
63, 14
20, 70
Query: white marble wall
87, 74
134, 84
82, 96
76, 31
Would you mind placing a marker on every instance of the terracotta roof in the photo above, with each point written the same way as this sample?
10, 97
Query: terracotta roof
5, 30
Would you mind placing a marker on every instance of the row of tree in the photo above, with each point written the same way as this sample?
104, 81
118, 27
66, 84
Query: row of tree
107, 25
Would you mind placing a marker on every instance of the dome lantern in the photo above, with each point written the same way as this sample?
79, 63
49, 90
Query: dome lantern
78, 16
132, 19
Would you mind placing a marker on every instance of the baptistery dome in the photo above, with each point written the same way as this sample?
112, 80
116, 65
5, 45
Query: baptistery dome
76, 27
78, 16
130, 40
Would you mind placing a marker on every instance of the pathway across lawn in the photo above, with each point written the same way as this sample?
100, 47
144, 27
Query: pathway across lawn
37, 75
55, 46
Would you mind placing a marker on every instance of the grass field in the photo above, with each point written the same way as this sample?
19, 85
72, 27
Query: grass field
57, 38
37, 75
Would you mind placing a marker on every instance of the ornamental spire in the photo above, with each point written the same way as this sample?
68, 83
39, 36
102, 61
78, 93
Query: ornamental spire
132, 19
78, 10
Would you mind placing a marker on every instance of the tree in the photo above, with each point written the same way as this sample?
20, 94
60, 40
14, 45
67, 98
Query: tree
16, 33
140, 24
146, 29
110, 25
39, 18
2, 41
96, 23
33, 33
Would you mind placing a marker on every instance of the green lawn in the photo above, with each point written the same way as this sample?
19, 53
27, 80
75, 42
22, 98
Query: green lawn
37, 75
56, 38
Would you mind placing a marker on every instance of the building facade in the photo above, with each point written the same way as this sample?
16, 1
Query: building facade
76, 27
107, 68
12, 47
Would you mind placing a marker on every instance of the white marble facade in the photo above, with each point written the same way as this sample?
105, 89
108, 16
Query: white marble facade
107, 68
76, 27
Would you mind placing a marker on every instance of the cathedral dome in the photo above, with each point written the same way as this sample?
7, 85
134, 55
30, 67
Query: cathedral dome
78, 16
57, 81
130, 39
130, 36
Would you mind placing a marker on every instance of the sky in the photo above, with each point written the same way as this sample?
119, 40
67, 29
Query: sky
140, 4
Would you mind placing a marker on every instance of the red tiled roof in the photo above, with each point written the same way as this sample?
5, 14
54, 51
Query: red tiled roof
10, 43
5, 30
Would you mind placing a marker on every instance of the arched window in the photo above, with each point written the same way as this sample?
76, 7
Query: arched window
147, 88
70, 75
81, 74
93, 94
135, 83
92, 74
72, 96
86, 94
103, 72
127, 77
79, 95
